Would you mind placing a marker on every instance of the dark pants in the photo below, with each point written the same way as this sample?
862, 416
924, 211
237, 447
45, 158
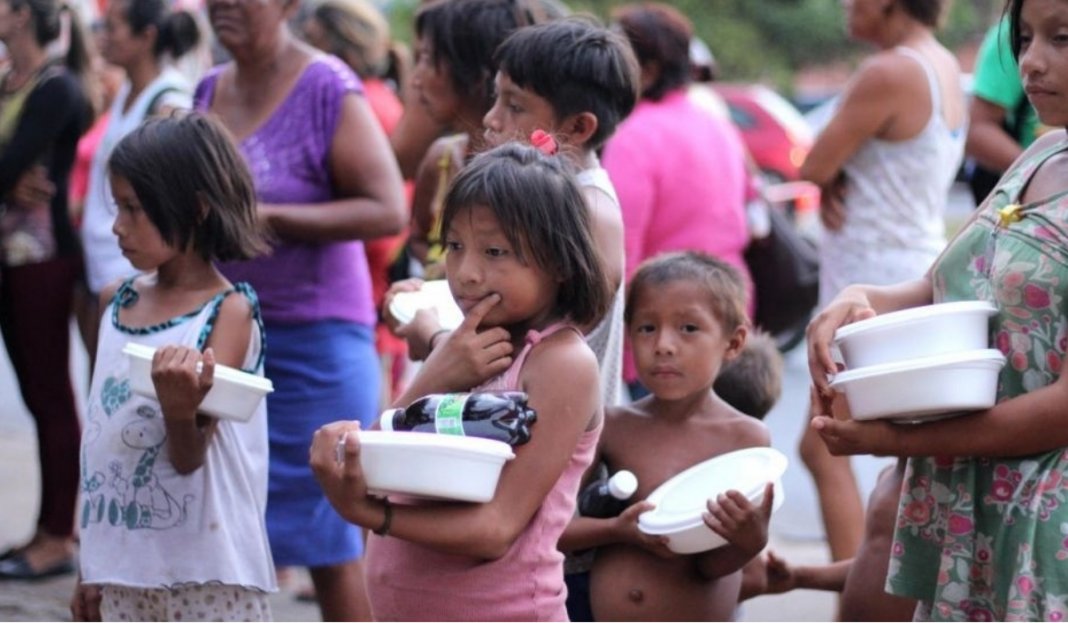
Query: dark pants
35, 312
578, 596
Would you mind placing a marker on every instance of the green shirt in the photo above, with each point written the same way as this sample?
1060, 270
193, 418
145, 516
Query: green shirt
997, 80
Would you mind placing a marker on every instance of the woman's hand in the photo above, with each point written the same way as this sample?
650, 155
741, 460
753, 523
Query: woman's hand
745, 526
849, 306
832, 203
848, 436
180, 388
335, 459
34, 187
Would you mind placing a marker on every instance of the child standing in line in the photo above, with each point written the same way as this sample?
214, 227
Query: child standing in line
686, 315
172, 523
522, 266
575, 80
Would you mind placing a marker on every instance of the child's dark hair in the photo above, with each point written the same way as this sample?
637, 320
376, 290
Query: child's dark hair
176, 32
193, 185
577, 66
752, 381
727, 295
463, 35
660, 34
544, 216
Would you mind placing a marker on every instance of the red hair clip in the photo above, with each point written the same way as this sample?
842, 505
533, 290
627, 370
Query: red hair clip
543, 142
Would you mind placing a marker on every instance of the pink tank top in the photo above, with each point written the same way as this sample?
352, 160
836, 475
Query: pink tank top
410, 582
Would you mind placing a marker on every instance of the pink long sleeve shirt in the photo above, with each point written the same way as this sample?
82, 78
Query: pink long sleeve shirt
682, 184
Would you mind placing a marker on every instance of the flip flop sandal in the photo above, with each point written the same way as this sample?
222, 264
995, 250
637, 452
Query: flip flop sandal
16, 568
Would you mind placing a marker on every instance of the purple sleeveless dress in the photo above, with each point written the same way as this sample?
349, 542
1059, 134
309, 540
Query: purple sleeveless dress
317, 310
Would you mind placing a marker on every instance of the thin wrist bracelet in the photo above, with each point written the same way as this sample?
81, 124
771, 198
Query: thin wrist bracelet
434, 336
387, 519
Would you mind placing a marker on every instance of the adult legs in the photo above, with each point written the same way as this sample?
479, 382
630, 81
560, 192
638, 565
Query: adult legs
35, 308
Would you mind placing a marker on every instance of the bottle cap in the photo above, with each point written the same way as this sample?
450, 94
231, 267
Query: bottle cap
385, 421
622, 484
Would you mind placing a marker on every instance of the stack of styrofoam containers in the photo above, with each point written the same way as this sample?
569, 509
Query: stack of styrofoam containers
921, 363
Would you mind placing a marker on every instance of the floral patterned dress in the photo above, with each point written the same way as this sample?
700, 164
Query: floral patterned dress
982, 538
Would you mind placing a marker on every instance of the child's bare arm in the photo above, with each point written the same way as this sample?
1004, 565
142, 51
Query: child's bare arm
561, 379
771, 575
464, 358
589, 532
180, 388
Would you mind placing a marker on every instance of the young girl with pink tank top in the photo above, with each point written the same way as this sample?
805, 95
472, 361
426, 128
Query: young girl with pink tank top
522, 265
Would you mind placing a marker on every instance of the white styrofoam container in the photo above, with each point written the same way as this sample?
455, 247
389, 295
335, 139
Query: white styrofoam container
916, 332
433, 295
234, 395
682, 500
923, 388
429, 465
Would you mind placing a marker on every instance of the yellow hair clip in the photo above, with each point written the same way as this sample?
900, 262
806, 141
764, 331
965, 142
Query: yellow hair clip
1009, 214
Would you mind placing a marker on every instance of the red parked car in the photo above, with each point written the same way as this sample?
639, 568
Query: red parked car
778, 138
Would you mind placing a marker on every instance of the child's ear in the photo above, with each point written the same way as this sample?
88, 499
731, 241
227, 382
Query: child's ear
736, 343
578, 128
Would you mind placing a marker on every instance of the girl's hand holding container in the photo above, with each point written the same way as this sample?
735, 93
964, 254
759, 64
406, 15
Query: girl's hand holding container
180, 386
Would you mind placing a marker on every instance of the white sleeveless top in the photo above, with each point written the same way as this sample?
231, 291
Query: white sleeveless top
142, 523
606, 339
104, 262
895, 199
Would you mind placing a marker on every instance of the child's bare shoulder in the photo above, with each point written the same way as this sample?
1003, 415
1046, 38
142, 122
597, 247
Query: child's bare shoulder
735, 428
564, 355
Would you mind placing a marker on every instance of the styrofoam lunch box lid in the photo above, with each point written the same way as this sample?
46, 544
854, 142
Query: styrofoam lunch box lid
681, 501
433, 294
440, 444
913, 314
224, 373
991, 356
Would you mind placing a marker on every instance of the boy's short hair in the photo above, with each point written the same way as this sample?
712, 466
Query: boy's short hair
727, 294
578, 66
752, 381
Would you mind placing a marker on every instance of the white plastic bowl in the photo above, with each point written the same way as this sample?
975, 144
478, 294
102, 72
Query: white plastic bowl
924, 388
433, 295
917, 332
428, 465
682, 500
235, 395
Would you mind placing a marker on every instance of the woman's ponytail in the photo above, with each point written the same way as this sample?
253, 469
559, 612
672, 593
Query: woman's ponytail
179, 33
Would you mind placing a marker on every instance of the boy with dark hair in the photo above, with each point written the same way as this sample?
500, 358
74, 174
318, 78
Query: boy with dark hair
752, 381
686, 316
575, 80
